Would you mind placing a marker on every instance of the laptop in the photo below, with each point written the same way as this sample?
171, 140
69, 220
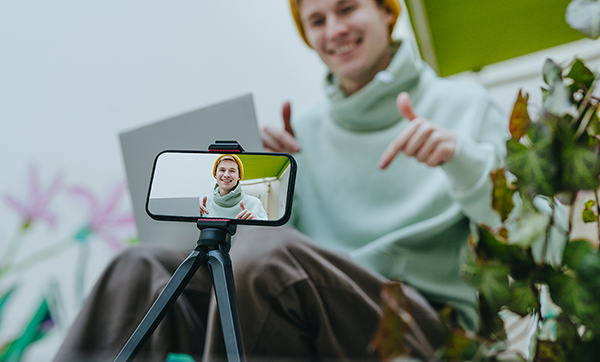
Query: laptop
233, 119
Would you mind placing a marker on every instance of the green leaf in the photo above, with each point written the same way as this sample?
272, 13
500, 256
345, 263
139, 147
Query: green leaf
566, 332
593, 127
580, 164
582, 77
584, 16
548, 351
492, 326
573, 297
502, 194
458, 344
552, 73
517, 259
531, 226
519, 119
524, 297
535, 167
557, 97
459, 347
575, 252
389, 338
589, 215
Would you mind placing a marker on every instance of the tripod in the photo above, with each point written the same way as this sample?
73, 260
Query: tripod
213, 247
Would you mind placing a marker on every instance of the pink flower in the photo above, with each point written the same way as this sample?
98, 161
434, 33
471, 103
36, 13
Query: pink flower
105, 220
34, 206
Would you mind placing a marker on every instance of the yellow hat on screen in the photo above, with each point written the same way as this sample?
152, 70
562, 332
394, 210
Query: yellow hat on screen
233, 158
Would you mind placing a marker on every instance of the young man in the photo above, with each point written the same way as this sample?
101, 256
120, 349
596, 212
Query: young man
392, 167
228, 200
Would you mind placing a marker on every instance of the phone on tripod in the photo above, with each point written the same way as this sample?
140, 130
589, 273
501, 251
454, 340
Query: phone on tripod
217, 189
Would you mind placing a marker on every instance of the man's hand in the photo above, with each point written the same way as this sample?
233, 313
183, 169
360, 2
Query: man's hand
277, 140
422, 139
203, 209
245, 214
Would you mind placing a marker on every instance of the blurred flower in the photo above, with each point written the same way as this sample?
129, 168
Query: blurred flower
34, 206
105, 220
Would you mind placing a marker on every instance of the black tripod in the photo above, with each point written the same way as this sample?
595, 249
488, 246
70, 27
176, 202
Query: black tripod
213, 247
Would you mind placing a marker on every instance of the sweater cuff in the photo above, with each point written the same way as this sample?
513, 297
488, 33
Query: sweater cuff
469, 167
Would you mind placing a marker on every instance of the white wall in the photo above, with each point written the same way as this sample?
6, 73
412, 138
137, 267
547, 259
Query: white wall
73, 74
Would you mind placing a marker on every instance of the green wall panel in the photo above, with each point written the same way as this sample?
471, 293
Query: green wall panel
469, 34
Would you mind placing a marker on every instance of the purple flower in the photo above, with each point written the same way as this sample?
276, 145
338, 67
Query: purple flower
105, 220
34, 206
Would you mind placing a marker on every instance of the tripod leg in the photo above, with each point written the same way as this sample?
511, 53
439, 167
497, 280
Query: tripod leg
222, 274
161, 306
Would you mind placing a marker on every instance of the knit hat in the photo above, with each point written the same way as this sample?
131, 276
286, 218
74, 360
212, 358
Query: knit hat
233, 158
392, 5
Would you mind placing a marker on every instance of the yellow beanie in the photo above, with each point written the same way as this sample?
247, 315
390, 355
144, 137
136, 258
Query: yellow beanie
234, 158
392, 5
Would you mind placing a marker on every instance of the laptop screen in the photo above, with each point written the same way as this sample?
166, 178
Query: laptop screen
233, 119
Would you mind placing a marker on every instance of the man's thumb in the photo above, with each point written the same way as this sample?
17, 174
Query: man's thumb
242, 205
286, 113
204, 201
405, 106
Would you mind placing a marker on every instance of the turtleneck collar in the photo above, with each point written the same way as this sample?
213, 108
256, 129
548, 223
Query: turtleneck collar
231, 199
373, 107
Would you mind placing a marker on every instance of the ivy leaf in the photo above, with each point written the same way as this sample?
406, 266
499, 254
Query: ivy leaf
584, 16
548, 351
518, 259
566, 332
459, 345
535, 167
593, 127
588, 215
589, 273
519, 119
492, 326
573, 297
556, 98
580, 165
582, 77
502, 194
524, 297
575, 252
389, 338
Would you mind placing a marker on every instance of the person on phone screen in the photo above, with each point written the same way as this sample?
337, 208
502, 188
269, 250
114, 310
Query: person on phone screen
228, 200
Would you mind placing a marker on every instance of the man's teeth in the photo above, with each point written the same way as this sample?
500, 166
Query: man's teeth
344, 48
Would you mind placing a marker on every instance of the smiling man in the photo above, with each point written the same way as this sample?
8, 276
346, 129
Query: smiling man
392, 168
228, 200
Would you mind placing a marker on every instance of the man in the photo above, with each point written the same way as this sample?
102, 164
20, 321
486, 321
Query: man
385, 190
228, 200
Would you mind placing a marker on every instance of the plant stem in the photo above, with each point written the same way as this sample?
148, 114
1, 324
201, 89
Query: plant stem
84, 251
37, 257
548, 231
584, 103
12, 249
571, 213
597, 213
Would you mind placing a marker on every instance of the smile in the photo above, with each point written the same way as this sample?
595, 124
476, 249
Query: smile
346, 48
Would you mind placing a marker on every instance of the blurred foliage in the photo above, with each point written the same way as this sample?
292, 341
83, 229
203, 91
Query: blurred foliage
550, 158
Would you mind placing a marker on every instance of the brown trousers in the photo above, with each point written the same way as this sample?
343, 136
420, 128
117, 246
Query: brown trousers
296, 300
